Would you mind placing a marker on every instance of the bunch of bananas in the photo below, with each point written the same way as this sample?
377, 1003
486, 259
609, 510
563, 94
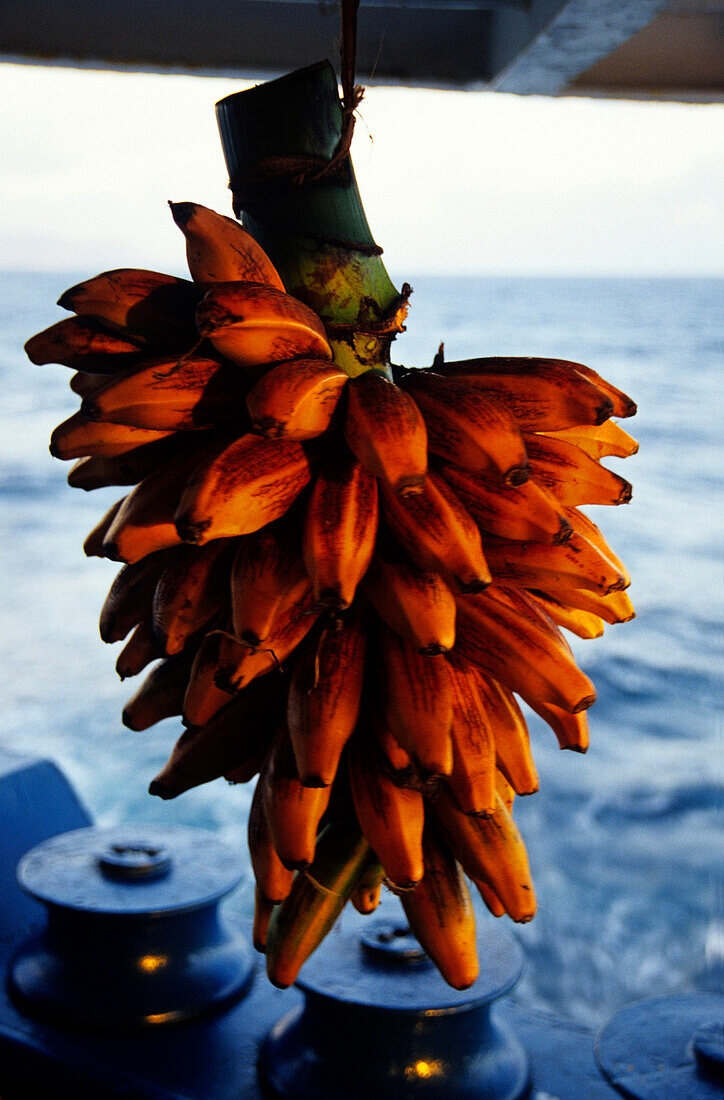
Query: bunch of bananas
344, 581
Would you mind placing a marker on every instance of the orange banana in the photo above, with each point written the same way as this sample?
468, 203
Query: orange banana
438, 534
490, 849
415, 603
390, 817
386, 431
521, 649
263, 912
542, 394
78, 436
569, 475
513, 755
366, 894
293, 810
239, 663
267, 577
585, 624
570, 729
250, 483
490, 898
219, 249
417, 702
204, 698
623, 406
324, 698
582, 525
577, 562
614, 608
600, 440
296, 400
340, 527
472, 780
253, 324
467, 427
525, 512
145, 521
441, 916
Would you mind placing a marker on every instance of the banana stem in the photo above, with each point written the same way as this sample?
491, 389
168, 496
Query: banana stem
278, 140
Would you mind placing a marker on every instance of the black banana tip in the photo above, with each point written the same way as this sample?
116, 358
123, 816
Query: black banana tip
189, 531
182, 212
604, 411
517, 475
160, 789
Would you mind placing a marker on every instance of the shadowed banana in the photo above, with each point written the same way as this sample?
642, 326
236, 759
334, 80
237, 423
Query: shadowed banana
236, 740
139, 651
78, 436
82, 344
128, 467
155, 308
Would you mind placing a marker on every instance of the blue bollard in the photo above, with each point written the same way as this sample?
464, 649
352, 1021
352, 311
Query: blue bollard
133, 935
379, 1020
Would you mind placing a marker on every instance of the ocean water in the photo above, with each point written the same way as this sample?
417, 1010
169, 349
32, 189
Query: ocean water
626, 843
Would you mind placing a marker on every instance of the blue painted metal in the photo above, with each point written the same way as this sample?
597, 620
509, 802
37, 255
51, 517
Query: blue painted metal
667, 1048
133, 934
379, 1020
36, 802
214, 1056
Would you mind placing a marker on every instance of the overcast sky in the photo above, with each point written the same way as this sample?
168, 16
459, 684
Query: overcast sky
452, 182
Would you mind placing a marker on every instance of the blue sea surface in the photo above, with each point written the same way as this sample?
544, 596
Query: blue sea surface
626, 843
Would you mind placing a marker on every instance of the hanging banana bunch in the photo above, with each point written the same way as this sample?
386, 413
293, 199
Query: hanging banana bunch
341, 584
